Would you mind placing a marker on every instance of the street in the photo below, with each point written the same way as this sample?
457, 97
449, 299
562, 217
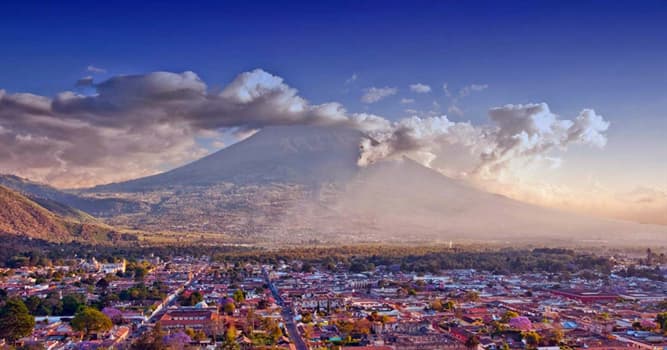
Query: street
288, 316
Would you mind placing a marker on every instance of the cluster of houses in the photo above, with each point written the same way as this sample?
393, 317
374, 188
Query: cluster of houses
281, 307
464, 308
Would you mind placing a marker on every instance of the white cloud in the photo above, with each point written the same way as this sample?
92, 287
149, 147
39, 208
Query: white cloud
85, 81
420, 88
136, 125
406, 101
528, 130
94, 69
415, 137
445, 88
454, 100
455, 110
520, 134
351, 79
374, 94
467, 90
218, 144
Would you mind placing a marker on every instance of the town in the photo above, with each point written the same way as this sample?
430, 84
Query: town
198, 302
333, 175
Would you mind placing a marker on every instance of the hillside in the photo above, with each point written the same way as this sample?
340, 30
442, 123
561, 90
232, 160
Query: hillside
21, 216
63, 211
53, 198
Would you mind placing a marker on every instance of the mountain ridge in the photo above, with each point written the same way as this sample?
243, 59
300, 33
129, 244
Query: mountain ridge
48, 195
22, 216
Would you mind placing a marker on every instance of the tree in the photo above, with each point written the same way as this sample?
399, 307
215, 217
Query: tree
89, 320
262, 304
139, 273
345, 327
472, 342
151, 341
230, 339
471, 295
102, 284
437, 305
230, 334
307, 267
239, 296
190, 332
661, 319
196, 298
177, 341
190, 299
532, 339
52, 305
449, 305
521, 323
33, 302
230, 308
229, 345
374, 316
307, 317
556, 336
276, 334
15, 319
199, 336
509, 315
307, 332
384, 319
72, 303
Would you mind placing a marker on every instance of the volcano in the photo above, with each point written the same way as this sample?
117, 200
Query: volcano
302, 183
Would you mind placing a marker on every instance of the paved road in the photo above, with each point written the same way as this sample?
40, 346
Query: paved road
155, 316
288, 316
171, 298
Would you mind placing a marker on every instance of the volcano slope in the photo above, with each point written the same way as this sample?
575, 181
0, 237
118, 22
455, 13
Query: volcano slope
302, 183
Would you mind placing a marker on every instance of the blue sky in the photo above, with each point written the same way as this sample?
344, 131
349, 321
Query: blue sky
607, 55
576, 54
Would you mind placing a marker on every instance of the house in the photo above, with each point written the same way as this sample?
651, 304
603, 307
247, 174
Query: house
206, 319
